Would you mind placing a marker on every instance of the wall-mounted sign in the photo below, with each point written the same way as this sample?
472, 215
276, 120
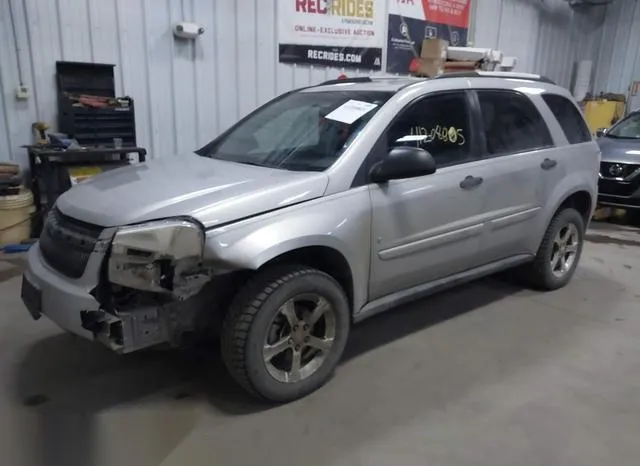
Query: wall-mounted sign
412, 21
338, 33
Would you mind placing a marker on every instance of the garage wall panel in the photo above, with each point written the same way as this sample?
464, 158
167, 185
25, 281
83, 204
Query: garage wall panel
183, 79
207, 100
75, 30
187, 92
247, 55
45, 42
619, 55
18, 114
547, 37
159, 40
132, 56
266, 54
226, 75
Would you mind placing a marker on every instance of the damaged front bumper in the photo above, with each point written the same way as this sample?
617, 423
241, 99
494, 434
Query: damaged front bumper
71, 304
47, 292
140, 328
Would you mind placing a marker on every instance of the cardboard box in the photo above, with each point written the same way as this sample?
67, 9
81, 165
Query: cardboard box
426, 67
434, 49
432, 57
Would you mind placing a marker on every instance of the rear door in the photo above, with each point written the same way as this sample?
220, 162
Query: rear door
515, 140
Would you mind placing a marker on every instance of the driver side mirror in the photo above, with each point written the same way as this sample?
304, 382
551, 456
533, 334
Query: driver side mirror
401, 163
601, 132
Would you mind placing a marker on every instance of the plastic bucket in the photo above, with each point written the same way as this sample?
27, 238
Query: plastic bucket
15, 217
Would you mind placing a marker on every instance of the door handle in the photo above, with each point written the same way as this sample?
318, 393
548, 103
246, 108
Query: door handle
548, 164
471, 182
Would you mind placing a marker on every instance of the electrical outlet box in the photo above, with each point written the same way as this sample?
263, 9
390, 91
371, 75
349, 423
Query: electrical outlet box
22, 92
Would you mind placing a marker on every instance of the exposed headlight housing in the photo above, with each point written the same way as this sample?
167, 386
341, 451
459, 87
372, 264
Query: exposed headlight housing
151, 255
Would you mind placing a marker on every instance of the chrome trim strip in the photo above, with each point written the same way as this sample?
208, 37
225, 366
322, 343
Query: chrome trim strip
430, 242
512, 219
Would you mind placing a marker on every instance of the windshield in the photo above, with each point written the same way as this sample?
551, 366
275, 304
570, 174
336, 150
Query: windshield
303, 131
629, 128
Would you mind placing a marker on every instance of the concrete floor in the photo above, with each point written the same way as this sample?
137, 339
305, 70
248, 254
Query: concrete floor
487, 374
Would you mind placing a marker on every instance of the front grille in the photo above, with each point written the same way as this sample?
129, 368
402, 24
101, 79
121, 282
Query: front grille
67, 243
620, 170
617, 188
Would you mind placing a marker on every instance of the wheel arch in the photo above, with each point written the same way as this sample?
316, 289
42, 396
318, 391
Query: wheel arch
327, 259
580, 199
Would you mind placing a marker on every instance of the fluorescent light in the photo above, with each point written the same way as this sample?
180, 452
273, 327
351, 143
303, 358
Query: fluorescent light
633, 152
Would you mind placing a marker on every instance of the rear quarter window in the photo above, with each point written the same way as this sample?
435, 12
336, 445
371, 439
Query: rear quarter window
569, 117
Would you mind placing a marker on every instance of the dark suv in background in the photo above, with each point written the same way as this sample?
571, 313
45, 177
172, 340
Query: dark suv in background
619, 184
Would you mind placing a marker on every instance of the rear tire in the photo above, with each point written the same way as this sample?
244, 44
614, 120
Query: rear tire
285, 332
559, 253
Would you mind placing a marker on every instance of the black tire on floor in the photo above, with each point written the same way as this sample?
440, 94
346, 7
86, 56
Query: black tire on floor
539, 273
251, 315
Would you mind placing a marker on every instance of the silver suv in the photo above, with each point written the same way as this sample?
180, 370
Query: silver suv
323, 207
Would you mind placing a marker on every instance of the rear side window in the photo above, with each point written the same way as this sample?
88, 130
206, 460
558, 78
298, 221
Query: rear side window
573, 125
512, 123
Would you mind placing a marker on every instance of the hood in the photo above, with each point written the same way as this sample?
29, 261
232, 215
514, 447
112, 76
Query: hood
211, 191
620, 150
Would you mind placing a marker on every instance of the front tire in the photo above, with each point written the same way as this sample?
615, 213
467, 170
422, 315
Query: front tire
285, 332
559, 252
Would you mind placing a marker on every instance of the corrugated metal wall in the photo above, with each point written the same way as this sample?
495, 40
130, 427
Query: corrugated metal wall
619, 56
547, 37
187, 92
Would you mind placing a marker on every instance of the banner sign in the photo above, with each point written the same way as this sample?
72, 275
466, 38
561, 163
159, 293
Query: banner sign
337, 33
412, 21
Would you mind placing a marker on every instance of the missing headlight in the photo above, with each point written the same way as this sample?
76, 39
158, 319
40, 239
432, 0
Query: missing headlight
162, 256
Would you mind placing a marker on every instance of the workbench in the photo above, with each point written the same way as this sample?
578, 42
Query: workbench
48, 173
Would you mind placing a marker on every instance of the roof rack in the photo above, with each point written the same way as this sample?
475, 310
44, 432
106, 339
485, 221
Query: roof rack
459, 74
497, 74
361, 79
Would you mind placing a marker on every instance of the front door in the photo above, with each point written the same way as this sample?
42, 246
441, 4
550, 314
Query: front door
428, 227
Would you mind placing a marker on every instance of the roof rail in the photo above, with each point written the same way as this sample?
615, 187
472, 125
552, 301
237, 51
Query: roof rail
497, 74
361, 79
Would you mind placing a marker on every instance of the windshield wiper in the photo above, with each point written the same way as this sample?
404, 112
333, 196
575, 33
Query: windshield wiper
247, 162
255, 164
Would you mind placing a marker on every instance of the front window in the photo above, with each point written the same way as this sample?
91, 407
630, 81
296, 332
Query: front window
440, 124
303, 131
629, 128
